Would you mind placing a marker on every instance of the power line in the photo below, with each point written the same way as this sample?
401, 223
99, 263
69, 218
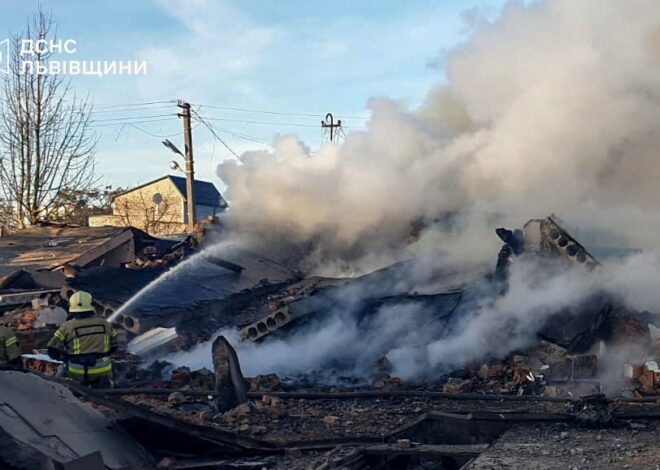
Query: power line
124, 118
279, 113
129, 110
149, 105
132, 120
295, 124
159, 136
274, 123
243, 136
127, 123
105, 106
215, 134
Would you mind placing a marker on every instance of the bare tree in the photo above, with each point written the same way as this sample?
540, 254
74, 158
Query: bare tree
75, 206
46, 142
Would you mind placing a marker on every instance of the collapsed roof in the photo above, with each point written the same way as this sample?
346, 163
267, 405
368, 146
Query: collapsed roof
37, 262
51, 247
230, 286
211, 285
260, 303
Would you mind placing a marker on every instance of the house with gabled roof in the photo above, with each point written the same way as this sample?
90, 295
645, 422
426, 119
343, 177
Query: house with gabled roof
159, 206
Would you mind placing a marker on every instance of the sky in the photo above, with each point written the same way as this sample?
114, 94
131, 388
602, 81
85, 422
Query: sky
300, 58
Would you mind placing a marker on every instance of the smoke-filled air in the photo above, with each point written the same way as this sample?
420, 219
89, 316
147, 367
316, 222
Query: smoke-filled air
554, 107
421, 346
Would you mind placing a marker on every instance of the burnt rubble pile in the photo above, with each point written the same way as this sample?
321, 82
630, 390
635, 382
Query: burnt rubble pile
42, 266
263, 299
565, 360
166, 416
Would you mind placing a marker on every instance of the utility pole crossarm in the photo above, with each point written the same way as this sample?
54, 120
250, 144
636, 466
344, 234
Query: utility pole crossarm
329, 123
190, 166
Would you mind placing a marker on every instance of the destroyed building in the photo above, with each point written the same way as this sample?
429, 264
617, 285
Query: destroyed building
42, 265
249, 293
168, 297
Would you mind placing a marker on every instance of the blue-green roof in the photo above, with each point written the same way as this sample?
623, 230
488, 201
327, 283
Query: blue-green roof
206, 193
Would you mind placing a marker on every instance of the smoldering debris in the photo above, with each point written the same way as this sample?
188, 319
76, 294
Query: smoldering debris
427, 318
548, 322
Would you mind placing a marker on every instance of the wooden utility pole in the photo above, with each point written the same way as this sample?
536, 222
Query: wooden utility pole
190, 165
329, 123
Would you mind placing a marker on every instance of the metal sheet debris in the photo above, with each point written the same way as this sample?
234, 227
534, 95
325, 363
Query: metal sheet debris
44, 419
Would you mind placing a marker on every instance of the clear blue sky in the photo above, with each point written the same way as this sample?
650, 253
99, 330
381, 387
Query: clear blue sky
299, 56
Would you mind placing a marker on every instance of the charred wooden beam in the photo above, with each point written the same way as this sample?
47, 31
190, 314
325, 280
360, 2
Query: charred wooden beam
26, 297
427, 450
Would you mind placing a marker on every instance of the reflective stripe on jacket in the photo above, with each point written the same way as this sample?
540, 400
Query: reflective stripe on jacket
85, 334
9, 349
102, 366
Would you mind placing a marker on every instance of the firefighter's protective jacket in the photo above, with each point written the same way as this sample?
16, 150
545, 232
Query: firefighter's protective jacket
9, 349
85, 343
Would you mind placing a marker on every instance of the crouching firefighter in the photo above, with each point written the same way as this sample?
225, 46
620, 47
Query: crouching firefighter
84, 343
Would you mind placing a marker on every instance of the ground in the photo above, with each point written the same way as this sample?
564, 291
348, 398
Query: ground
349, 424
548, 447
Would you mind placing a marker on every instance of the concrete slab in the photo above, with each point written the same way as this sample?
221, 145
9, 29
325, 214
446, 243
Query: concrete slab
47, 418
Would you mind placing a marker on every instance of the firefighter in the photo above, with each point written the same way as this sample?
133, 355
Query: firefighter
10, 352
84, 343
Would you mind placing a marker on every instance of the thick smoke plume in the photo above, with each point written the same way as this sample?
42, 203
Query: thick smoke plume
554, 107
419, 346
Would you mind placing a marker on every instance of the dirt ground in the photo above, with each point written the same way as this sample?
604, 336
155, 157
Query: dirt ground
633, 444
292, 421
281, 419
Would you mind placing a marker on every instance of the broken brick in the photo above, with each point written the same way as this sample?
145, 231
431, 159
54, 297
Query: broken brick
331, 420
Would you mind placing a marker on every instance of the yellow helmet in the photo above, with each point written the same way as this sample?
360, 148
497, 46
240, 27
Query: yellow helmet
80, 302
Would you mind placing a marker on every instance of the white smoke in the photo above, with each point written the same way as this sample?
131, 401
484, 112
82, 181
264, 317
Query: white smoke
552, 108
343, 343
511, 321
555, 107
339, 345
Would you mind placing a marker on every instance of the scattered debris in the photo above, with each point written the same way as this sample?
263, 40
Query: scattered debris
194, 418
154, 343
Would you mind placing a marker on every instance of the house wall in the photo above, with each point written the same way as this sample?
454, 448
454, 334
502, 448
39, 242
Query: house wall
137, 209
103, 220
